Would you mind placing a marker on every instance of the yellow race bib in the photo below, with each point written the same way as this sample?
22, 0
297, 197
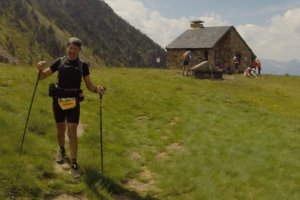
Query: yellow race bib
67, 103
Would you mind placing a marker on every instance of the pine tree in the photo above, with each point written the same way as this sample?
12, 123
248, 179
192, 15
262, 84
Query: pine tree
50, 31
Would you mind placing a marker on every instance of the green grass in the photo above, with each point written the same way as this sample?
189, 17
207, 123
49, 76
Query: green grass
236, 140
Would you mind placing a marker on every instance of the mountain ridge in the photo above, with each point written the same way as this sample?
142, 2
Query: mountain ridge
291, 67
33, 29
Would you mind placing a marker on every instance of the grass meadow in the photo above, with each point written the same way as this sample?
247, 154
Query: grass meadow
166, 137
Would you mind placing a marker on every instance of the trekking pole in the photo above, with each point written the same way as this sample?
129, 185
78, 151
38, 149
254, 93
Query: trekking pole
101, 133
29, 112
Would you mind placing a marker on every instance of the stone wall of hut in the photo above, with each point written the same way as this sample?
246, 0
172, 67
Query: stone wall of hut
175, 61
230, 46
174, 58
239, 46
221, 55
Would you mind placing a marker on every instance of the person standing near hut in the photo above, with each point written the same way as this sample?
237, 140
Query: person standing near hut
259, 66
186, 59
254, 65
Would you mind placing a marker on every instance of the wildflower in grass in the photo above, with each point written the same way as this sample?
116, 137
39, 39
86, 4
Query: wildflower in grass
4, 181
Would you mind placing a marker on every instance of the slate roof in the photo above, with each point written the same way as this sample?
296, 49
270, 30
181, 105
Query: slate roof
202, 38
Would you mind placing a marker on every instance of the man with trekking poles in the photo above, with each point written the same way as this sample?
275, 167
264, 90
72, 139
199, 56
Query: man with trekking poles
67, 96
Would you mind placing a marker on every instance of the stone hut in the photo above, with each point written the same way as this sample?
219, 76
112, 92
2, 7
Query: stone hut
216, 45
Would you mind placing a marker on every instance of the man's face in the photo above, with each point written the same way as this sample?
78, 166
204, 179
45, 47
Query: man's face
73, 52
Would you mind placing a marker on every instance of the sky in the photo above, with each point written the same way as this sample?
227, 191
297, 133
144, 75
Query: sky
270, 27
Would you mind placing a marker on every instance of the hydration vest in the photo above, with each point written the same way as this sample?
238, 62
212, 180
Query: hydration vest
69, 92
61, 68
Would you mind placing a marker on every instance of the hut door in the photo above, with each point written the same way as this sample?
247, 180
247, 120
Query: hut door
238, 57
193, 54
206, 55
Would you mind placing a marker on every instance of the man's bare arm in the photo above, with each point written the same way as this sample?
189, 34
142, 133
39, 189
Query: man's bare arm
91, 87
89, 84
46, 73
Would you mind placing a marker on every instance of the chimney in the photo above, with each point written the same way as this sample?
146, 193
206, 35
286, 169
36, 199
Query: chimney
196, 24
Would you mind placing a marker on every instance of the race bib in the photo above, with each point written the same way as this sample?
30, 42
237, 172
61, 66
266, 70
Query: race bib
67, 103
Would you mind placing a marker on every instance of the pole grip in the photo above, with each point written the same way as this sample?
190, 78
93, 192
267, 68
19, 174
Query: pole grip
100, 95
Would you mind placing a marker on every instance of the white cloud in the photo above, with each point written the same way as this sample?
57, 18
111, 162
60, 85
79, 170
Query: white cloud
273, 8
133, 11
160, 29
280, 40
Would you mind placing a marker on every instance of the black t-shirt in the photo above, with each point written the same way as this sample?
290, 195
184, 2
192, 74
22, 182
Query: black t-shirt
69, 76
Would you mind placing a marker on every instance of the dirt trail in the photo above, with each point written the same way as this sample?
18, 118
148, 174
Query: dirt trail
148, 184
80, 131
172, 146
145, 179
68, 197
119, 197
64, 168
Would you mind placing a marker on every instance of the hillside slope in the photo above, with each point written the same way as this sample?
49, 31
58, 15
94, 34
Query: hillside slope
165, 137
33, 29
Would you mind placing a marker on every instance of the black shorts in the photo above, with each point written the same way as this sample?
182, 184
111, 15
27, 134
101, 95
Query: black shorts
60, 115
186, 62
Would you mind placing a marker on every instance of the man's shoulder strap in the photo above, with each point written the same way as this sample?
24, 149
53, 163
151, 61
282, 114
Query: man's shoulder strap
62, 61
81, 66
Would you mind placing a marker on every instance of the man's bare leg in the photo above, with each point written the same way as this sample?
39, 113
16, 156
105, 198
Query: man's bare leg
183, 70
60, 135
72, 134
187, 70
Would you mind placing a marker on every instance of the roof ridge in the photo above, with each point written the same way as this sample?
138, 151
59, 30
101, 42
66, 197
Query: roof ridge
206, 37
